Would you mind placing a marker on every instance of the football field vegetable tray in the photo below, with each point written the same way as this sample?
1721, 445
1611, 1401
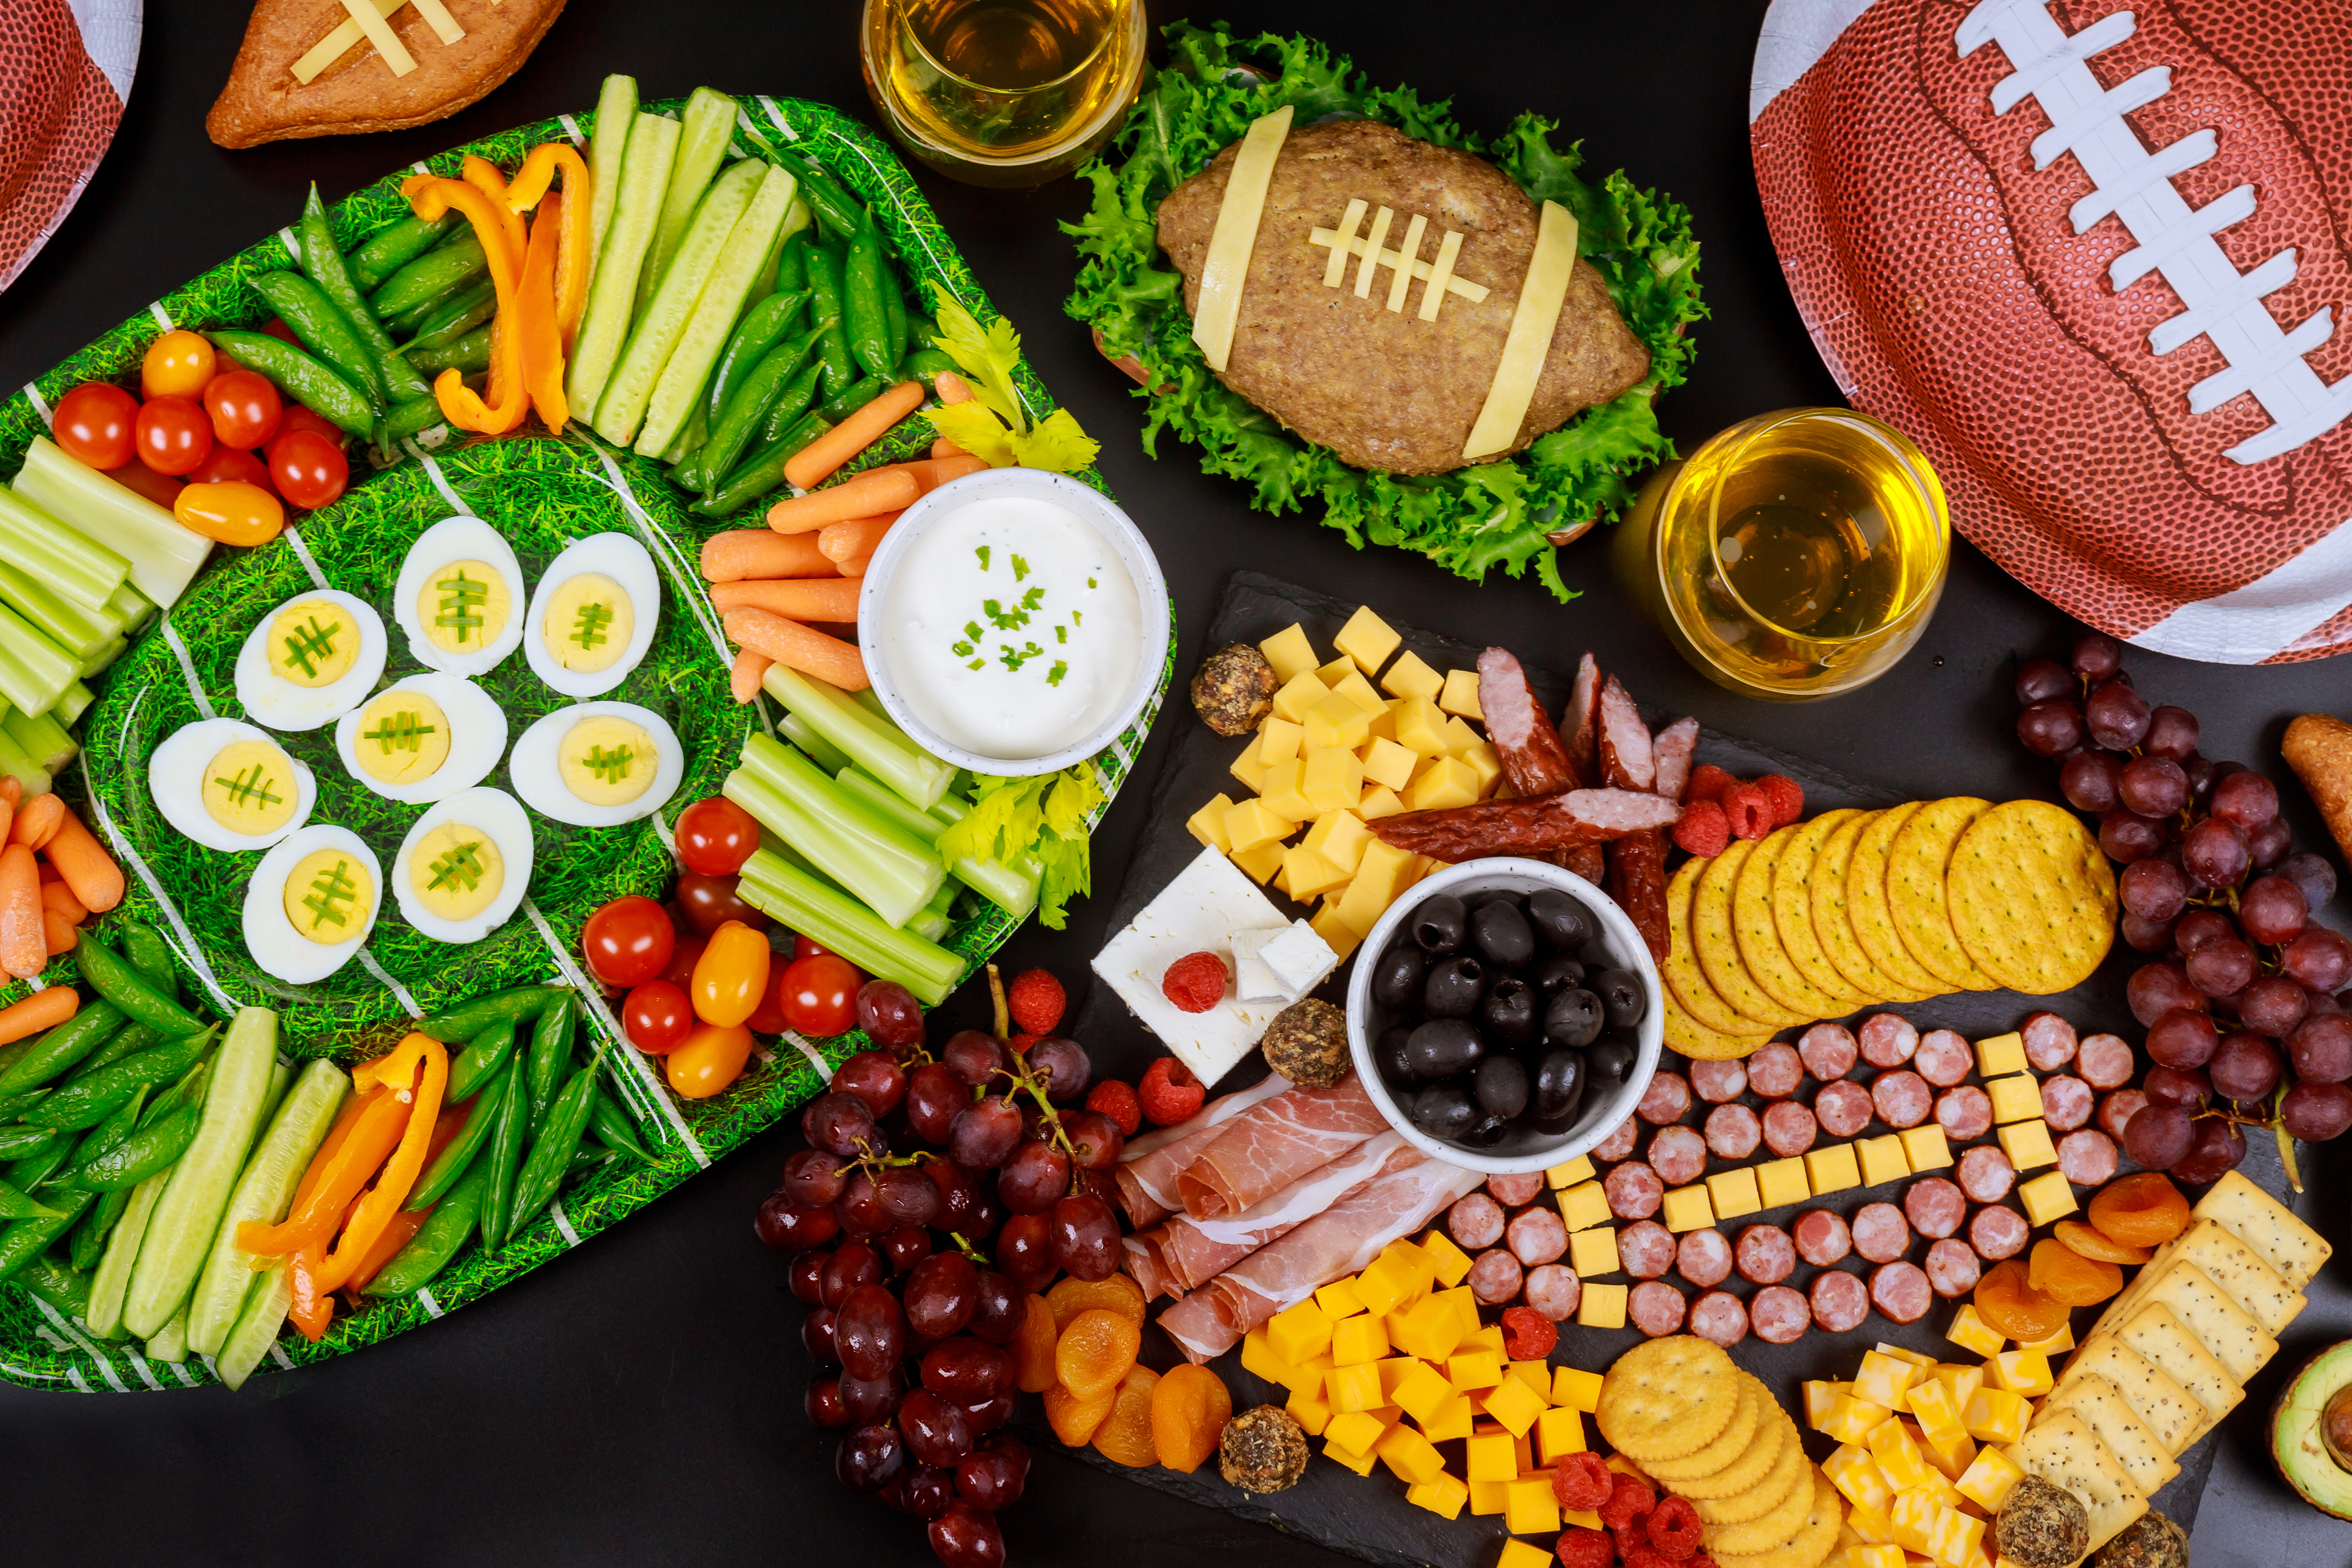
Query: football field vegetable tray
541, 493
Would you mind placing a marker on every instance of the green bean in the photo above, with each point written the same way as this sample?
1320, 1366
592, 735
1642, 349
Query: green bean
482, 1060
324, 263
28, 1238
390, 248
406, 419
438, 1239
755, 394
613, 1126
550, 1051
825, 296
505, 1155
92, 1098
763, 471
446, 322
552, 1150
850, 399
470, 1017
309, 382
431, 276
67, 1289
57, 1050
149, 953
323, 329
468, 355
139, 1156
762, 325
124, 986
450, 1166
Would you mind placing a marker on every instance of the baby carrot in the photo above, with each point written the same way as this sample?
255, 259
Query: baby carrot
856, 538
58, 898
12, 794
745, 553
943, 447
854, 434
743, 681
37, 824
57, 933
42, 1010
952, 389
892, 488
22, 950
796, 647
855, 567
799, 599
933, 472
84, 865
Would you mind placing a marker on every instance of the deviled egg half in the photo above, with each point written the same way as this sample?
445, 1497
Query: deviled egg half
311, 901
423, 737
458, 597
464, 866
228, 785
310, 660
596, 764
593, 616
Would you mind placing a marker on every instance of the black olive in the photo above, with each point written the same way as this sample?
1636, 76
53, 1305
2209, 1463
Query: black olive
1396, 983
1485, 1132
1439, 923
1443, 1047
1554, 973
1511, 1012
1454, 988
1558, 1089
1573, 1018
1502, 934
1477, 901
1611, 1062
1501, 1086
1389, 1051
1564, 924
1443, 1111
1621, 997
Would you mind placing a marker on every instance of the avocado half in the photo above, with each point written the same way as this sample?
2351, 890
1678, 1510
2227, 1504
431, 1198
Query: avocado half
2311, 1431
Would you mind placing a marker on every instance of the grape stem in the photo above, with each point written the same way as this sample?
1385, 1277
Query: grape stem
1002, 1013
1051, 1119
970, 1251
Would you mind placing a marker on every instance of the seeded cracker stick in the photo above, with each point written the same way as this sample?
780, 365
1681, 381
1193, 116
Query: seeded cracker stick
797, 648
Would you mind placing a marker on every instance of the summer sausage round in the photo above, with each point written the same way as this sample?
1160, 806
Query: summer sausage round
1964, 1113
1888, 1039
1902, 1098
1944, 1057
1679, 1155
1476, 1221
1553, 1290
1778, 1315
1665, 1099
1935, 1207
1953, 1268
1718, 1082
2104, 1061
1495, 1277
1839, 1300
1901, 1292
1619, 1142
1703, 1258
2049, 1041
1774, 1071
1997, 1231
1720, 1318
1732, 1132
1765, 1254
1536, 1235
1513, 1191
1646, 1249
1633, 1190
1656, 1307
1881, 1234
1788, 1128
2067, 1103
1986, 1175
1828, 1051
1823, 1238
1842, 1109
2087, 1158
2118, 1108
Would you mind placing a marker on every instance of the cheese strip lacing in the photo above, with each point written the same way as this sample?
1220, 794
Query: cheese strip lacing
1227, 268
1533, 319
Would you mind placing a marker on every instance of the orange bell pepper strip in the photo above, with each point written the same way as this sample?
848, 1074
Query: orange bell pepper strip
575, 255
400, 1172
535, 326
397, 1234
430, 196
484, 176
312, 1308
337, 1172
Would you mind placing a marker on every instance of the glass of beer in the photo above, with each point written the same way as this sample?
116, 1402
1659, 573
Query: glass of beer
1003, 92
1797, 554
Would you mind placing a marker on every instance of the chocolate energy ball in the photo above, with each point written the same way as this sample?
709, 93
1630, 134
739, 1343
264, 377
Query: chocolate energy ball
1262, 1450
1307, 1042
1233, 689
2042, 1525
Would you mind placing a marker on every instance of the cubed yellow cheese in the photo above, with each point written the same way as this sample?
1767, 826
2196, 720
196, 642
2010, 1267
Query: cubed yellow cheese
1394, 1372
1987, 1478
1876, 1554
1361, 1463
1964, 1382
1358, 1339
1249, 768
1459, 736
1885, 1379
1472, 1370
1380, 800
1308, 876
1338, 669
1530, 1506
1559, 1178
1972, 1332
1282, 793
1779, 1183
1818, 1395
2028, 1145
1515, 1404
1289, 652
1536, 1374
1449, 782
1852, 1419
1358, 691
1450, 1265
1584, 1205
1881, 1160
1258, 1356
2020, 1371
1485, 763
1950, 1452
1926, 1148
1420, 727
1355, 1430
1930, 1400
1300, 693
1278, 740
1520, 1554
1260, 860
1367, 639
1312, 1412
1898, 1457
1451, 1418
1388, 765
1601, 1307
1208, 824
1410, 675
1686, 1208
1339, 1299
1560, 1432
1412, 1456
1486, 1497
1431, 1329
1384, 871
1460, 695
1491, 1457
1465, 1302
1592, 1253
1734, 1193
1832, 1170
1854, 1472
2046, 1197
1486, 1336
2058, 1343
1336, 934
1335, 721
1250, 824
1385, 1284
1574, 1388
1870, 1528
2015, 1097
1353, 1388
1997, 1416
1442, 1495
2001, 1054
1331, 779
1421, 1391
1406, 1254
1299, 1333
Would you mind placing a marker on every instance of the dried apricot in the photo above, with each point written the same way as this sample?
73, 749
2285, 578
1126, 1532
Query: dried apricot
1073, 1419
2140, 1210
1033, 1347
1117, 1293
1095, 1352
2068, 1278
2013, 1308
1126, 1436
2090, 1243
1189, 1412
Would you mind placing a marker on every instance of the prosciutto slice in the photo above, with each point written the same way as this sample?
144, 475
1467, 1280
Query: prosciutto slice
1197, 1328
1147, 1174
1274, 1142
1190, 1253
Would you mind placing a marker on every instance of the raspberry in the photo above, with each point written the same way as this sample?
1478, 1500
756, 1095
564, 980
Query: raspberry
1631, 1540
1527, 1334
1749, 808
1639, 1555
1707, 782
1019, 1044
1583, 1482
1582, 1548
1035, 1001
1787, 795
1627, 1497
1196, 982
1116, 1100
1675, 1528
1169, 1092
1704, 830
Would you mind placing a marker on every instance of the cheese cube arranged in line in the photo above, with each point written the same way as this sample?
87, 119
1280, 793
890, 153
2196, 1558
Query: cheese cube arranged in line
1832, 1170
1926, 1148
1592, 1253
2001, 1054
2047, 1198
1687, 1208
2028, 1145
2016, 1097
1734, 1193
1584, 1207
1779, 1183
1559, 1178
1601, 1307
1883, 1160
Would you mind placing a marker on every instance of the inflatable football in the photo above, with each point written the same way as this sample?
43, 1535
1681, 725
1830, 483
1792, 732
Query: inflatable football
65, 75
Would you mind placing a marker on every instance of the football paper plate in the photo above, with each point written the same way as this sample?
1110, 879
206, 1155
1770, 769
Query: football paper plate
65, 75
2091, 257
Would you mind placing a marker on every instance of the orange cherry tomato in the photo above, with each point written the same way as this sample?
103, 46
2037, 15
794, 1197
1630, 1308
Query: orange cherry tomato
731, 975
2012, 1309
711, 1059
233, 514
180, 364
245, 408
175, 434
93, 423
228, 463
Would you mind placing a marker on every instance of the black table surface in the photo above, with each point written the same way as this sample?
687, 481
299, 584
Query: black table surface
639, 1401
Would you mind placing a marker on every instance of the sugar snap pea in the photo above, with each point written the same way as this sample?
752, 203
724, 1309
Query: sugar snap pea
15, 1204
484, 1056
311, 383
149, 953
764, 471
471, 1016
615, 1129
894, 307
866, 320
504, 1156
129, 1040
438, 1239
325, 331
558, 1139
127, 989
454, 319
19, 1139
91, 1098
837, 209
825, 296
792, 263
451, 1165
390, 248
468, 355
324, 263
755, 394
139, 1156
755, 335
551, 1052
405, 420
57, 1050
926, 365
790, 406
431, 276
28, 1238
852, 398
67, 1289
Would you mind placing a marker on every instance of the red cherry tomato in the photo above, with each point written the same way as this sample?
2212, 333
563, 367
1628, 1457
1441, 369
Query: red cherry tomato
767, 1018
710, 902
628, 942
245, 408
229, 466
730, 975
93, 422
804, 948
821, 994
177, 365
175, 435
298, 417
138, 477
715, 836
682, 957
711, 1059
310, 470
657, 1017
277, 328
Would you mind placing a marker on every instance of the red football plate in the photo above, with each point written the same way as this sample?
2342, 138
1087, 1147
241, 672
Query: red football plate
64, 74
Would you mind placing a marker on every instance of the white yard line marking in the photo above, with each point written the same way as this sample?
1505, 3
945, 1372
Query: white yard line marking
293, 537
562, 1223
399, 993
187, 666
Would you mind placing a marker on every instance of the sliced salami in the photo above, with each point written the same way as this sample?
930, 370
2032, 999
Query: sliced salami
1828, 1051
1888, 1039
1944, 1057
2087, 1158
1515, 1190
1656, 1309
2067, 1103
1703, 1258
1839, 1300
2118, 1108
1788, 1128
1842, 1109
1536, 1235
1718, 1083
1534, 758
1679, 1155
1774, 1071
1765, 1255
1554, 1291
1646, 1249
1935, 1207
2049, 1041
1902, 1098
1965, 1113
1986, 1175
1881, 1234
1732, 1132
1663, 1102
1620, 1142
1953, 1268
1720, 1318
1474, 1222
1778, 1315
2104, 1061
1997, 1231
1673, 748
1823, 1238
1633, 1190
1495, 1277
1901, 1292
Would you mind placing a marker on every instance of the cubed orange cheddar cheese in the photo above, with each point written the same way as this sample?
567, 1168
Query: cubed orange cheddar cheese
1414, 1458
1931, 1401
1832, 1170
1460, 695
1382, 1287
1361, 1463
1520, 1554
1536, 1374
1853, 1471
1432, 1328
2046, 1197
1515, 1404
1455, 1417
1313, 1413
2001, 1054
1299, 1333
1473, 1369
1593, 1252
1687, 1208
2020, 1371
1817, 1396
1491, 1457
1442, 1495
1357, 1431
1851, 1419
1560, 1431
1584, 1205
1883, 1378
1421, 1391
1601, 1307
1779, 1183
1898, 1457
1530, 1506
1987, 1478
1358, 1339
1258, 1356
1926, 1148
1486, 1497
1339, 1299
1997, 1416
1559, 1178
1575, 1389
1972, 1332
1308, 1375
1449, 1264
1392, 1372
1352, 1388
1465, 1308
1733, 1193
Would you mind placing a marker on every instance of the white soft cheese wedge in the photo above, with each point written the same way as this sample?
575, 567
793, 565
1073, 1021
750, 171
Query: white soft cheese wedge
1199, 911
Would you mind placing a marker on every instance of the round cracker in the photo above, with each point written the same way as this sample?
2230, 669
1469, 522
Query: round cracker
1776, 1525
1865, 902
1758, 935
1833, 922
2031, 897
1765, 1490
1669, 1397
1916, 863
1684, 980
1701, 1044
1792, 909
1754, 1407
1812, 1543
1718, 950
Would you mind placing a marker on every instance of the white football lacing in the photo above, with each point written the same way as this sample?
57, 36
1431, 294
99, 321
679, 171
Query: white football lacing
2134, 185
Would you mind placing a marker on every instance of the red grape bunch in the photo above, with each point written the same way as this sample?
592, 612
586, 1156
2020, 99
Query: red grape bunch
2244, 1023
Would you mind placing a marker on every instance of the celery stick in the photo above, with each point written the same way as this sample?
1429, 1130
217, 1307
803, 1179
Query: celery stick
16, 762
705, 127
163, 556
77, 568
859, 847
801, 733
663, 320
44, 739
930, 925
878, 746
129, 607
78, 631
34, 670
617, 109
845, 926
74, 703
106, 654
679, 395
612, 288
992, 879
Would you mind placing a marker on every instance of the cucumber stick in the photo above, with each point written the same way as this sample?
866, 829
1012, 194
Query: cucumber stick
705, 126
111, 1280
617, 109
612, 288
748, 252
257, 1327
622, 404
264, 1192
180, 1231
172, 1344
